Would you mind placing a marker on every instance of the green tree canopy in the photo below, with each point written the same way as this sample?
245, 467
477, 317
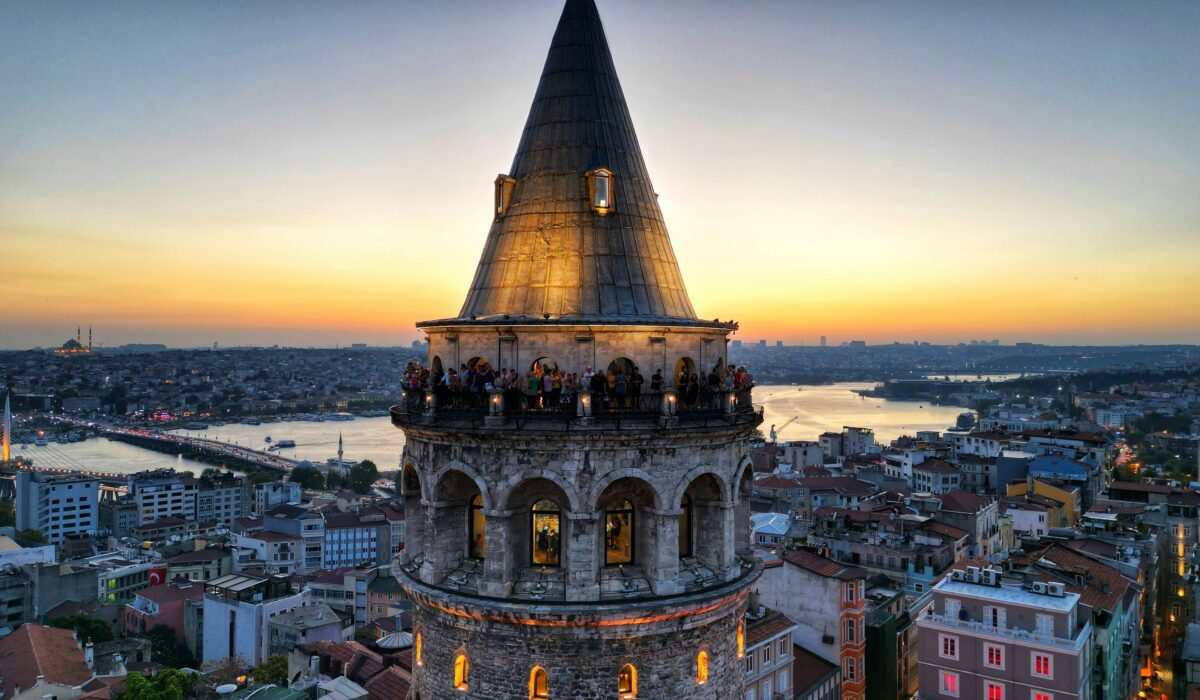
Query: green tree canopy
87, 627
308, 477
362, 476
334, 480
273, 670
32, 536
167, 684
166, 649
8, 513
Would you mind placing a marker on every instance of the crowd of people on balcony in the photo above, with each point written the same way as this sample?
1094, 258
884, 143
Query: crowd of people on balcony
544, 387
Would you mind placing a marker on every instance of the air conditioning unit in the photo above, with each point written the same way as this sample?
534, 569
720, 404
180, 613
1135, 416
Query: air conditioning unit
1056, 589
973, 573
957, 575
1039, 587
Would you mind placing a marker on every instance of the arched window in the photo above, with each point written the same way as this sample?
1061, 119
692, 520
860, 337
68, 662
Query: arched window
461, 669
702, 668
627, 682
618, 532
684, 368
685, 527
546, 532
600, 190
539, 684
417, 647
741, 638
476, 527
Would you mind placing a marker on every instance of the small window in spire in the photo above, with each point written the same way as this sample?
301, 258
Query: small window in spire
504, 190
600, 190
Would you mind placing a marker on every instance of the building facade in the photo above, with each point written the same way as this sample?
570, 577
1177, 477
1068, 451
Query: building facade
594, 543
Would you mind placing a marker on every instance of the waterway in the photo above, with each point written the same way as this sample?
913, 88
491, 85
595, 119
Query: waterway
816, 409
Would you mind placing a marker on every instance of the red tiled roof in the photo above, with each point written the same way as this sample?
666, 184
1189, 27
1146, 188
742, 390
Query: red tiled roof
34, 650
990, 435
392, 683
945, 530
821, 566
774, 481
758, 630
845, 485
963, 501
936, 466
208, 554
171, 592
1138, 486
808, 670
1076, 435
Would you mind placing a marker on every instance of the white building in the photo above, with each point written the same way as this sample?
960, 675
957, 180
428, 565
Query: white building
162, 493
56, 505
237, 613
275, 493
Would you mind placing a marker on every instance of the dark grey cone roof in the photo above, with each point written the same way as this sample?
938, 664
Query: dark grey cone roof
550, 253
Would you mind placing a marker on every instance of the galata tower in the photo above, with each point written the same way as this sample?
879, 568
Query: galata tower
576, 477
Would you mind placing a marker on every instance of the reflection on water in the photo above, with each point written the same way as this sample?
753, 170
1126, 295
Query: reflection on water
816, 408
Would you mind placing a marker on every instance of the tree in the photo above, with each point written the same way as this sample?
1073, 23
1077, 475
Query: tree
262, 476
210, 472
362, 476
308, 478
88, 628
8, 513
165, 650
334, 480
273, 670
167, 684
32, 536
226, 670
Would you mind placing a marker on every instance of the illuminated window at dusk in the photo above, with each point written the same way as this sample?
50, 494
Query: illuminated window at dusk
417, 650
949, 683
547, 534
1043, 665
618, 532
741, 638
600, 190
995, 691
993, 655
702, 668
627, 682
539, 684
461, 669
476, 527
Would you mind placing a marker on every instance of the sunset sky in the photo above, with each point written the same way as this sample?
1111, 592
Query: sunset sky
319, 173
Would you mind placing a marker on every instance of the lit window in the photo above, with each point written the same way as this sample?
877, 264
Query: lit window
993, 656
600, 190
949, 646
702, 668
627, 682
741, 638
1043, 665
547, 539
417, 650
461, 669
618, 532
1042, 696
476, 533
949, 683
995, 691
539, 684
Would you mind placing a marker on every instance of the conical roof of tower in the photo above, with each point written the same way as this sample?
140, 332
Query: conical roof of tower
549, 255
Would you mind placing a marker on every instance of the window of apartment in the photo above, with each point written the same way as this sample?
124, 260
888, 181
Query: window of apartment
994, 615
993, 690
783, 679
781, 648
1042, 665
952, 608
1039, 695
1045, 624
766, 655
749, 663
848, 631
948, 646
950, 683
993, 656
848, 669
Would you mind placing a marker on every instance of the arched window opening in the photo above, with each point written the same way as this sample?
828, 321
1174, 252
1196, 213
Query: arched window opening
600, 190
627, 682
461, 670
741, 638
417, 649
685, 367
476, 363
435, 367
477, 532
685, 527
539, 684
542, 365
618, 532
546, 520
702, 668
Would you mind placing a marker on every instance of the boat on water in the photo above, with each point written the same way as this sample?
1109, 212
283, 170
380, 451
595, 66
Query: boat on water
41, 442
252, 421
282, 444
195, 426
344, 464
340, 416
267, 439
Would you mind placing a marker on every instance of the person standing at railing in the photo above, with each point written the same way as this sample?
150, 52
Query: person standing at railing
635, 388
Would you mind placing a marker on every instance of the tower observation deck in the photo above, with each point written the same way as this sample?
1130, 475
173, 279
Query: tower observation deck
589, 540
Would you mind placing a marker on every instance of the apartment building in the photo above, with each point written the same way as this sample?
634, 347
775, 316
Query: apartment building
767, 652
237, 614
985, 636
56, 505
162, 493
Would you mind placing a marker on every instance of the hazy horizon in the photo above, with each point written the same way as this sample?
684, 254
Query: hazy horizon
307, 174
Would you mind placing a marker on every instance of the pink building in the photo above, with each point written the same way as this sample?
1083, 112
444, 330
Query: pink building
160, 605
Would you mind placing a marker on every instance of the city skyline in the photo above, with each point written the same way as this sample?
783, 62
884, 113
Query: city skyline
862, 172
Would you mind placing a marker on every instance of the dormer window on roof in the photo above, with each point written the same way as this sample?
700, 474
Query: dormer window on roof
600, 190
504, 190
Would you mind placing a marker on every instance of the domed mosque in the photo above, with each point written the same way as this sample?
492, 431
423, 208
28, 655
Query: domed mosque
589, 538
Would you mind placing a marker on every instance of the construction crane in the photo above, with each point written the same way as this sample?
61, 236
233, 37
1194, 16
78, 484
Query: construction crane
776, 431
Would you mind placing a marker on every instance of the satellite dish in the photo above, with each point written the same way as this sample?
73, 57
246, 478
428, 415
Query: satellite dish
226, 689
1129, 551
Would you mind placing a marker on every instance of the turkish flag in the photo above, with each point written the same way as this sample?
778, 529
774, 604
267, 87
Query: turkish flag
158, 577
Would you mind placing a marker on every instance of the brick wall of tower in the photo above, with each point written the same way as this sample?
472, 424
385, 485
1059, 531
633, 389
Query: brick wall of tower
581, 661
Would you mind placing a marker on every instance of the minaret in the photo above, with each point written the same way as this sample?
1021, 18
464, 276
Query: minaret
6, 444
591, 546
339, 449
89, 338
